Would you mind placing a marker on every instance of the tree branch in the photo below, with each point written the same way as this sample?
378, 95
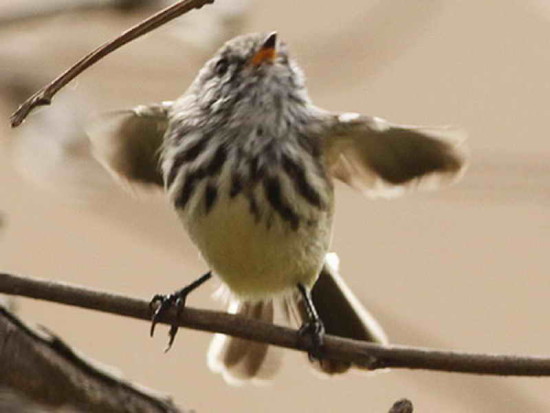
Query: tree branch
362, 354
44, 96
46, 371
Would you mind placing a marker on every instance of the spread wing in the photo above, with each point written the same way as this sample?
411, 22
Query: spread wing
128, 143
384, 160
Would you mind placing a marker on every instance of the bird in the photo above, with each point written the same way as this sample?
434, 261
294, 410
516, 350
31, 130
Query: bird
248, 161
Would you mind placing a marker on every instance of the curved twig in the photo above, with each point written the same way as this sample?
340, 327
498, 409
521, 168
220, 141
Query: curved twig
44, 96
362, 354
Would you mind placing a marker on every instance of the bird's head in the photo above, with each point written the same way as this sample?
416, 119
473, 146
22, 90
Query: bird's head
250, 73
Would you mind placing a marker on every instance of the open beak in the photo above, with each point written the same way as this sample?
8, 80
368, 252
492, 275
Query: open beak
267, 52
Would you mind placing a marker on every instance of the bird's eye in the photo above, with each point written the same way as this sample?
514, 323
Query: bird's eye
221, 66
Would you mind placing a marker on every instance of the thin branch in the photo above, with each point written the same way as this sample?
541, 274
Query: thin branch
362, 354
44, 96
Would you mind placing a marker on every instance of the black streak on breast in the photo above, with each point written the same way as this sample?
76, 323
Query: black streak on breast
298, 176
210, 196
273, 193
189, 154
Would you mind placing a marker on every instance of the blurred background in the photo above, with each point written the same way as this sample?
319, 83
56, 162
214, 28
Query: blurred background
465, 268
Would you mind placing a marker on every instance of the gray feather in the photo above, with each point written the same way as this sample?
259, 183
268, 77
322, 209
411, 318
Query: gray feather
381, 159
246, 357
240, 360
128, 143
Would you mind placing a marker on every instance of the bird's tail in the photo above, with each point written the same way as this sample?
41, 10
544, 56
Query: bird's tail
341, 312
240, 360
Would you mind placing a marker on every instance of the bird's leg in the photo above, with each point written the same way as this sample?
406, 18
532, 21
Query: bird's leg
313, 327
163, 303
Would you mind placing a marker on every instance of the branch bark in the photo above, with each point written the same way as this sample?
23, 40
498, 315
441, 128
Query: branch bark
44, 96
361, 354
46, 371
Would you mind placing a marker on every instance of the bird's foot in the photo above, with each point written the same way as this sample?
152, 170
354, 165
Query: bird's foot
161, 304
315, 331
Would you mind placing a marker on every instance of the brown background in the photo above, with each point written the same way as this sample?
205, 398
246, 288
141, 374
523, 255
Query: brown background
465, 268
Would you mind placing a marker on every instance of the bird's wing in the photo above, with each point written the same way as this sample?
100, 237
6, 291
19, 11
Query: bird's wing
384, 160
128, 143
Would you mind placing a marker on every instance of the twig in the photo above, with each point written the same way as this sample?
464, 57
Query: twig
45, 95
362, 354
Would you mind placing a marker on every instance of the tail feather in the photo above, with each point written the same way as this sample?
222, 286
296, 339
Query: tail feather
341, 312
239, 360
246, 355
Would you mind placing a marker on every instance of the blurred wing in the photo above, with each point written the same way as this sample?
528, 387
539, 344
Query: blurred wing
128, 143
384, 160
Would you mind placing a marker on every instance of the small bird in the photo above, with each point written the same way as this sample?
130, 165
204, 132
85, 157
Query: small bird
248, 162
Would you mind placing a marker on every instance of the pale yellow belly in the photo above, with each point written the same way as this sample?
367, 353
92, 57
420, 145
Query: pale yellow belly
257, 260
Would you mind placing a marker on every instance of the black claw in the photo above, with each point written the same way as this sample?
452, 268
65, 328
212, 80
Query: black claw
162, 303
315, 330
171, 337
155, 310
179, 303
